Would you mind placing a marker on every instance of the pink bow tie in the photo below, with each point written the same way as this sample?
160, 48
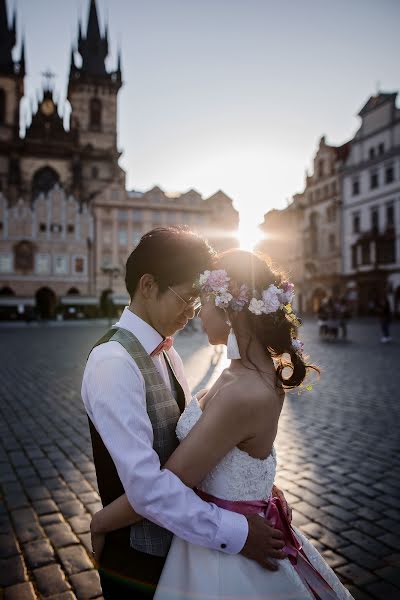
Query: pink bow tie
164, 345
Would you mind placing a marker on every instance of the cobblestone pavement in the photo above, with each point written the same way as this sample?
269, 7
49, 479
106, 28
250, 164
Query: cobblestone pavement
338, 452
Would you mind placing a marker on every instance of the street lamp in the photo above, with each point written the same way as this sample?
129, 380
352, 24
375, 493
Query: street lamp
112, 272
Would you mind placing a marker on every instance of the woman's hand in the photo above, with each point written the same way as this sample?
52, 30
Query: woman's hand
98, 539
277, 492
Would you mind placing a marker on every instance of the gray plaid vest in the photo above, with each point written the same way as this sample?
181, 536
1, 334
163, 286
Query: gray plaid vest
164, 412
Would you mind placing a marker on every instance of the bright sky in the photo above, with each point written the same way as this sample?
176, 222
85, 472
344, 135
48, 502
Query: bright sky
230, 94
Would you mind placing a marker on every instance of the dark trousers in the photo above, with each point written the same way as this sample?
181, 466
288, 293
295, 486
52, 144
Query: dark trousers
125, 573
385, 324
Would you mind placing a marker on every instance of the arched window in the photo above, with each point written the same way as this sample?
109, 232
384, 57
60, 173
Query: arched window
2, 106
44, 180
95, 114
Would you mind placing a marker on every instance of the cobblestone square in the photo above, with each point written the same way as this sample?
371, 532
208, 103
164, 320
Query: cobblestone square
338, 457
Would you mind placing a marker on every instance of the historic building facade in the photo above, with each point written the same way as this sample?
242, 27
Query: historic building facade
67, 223
321, 226
121, 218
305, 238
371, 206
341, 236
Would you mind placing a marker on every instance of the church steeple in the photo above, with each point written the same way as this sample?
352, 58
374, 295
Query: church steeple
94, 47
7, 40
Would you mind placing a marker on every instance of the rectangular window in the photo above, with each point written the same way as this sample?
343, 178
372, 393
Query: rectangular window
386, 251
381, 148
172, 219
375, 218
390, 214
123, 237
157, 216
371, 153
1, 226
356, 187
56, 228
373, 180
43, 264
365, 253
79, 265
331, 242
389, 174
122, 215
6, 263
61, 264
42, 227
356, 222
354, 257
137, 214
71, 228
107, 236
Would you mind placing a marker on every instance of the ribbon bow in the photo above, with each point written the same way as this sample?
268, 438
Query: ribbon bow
166, 344
274, 511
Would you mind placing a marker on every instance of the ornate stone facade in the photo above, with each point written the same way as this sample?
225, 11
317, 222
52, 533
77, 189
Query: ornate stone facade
371, 207
67, 223
342, 233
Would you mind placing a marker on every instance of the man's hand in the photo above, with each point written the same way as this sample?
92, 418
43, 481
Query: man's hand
263, 543
278, 492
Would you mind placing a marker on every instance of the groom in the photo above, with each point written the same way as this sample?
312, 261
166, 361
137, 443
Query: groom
134, 390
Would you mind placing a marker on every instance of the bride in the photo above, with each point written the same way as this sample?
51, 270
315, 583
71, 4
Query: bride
227, 442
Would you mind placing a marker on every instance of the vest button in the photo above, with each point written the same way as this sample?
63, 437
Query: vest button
223, 545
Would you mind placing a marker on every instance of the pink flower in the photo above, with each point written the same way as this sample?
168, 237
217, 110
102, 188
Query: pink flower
218, 280
287, 294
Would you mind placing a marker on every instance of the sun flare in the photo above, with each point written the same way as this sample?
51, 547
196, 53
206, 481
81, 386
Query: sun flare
249, 236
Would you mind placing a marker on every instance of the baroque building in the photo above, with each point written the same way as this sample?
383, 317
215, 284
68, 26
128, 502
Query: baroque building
371, 206
305, 237
67, 223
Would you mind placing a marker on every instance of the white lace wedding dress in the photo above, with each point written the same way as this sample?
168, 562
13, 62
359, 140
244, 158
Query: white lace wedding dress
195, 573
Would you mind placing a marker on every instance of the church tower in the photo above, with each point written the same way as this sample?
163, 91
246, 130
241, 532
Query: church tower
92, 93
12, 75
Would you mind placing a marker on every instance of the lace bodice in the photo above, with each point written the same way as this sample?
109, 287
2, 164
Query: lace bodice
238, 476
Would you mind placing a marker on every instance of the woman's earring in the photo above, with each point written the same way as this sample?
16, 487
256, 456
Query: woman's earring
232, 347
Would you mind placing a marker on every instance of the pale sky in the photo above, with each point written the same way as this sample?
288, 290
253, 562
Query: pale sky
227, 94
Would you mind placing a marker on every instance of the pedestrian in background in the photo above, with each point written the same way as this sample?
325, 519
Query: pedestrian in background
385, 312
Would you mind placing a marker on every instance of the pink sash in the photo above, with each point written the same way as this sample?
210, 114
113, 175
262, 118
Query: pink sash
273, 510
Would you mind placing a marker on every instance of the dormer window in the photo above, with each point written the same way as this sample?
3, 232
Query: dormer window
95, 114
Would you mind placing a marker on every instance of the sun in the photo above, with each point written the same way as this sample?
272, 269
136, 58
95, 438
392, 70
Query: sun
249, 236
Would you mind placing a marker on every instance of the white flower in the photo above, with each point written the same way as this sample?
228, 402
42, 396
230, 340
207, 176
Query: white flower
222, 299
256, 306
204, 276
271, 298
297, 345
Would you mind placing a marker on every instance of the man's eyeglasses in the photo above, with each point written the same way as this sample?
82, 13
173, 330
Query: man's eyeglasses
192, 304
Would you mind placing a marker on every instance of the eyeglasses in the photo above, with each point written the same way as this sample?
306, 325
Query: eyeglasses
193, 304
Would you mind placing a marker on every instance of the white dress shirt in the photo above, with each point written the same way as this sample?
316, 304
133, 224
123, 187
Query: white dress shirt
114, 395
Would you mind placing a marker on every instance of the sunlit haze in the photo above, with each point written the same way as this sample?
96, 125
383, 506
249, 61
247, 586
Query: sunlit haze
226, 94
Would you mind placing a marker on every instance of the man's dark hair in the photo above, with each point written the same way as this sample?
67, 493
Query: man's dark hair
172, 255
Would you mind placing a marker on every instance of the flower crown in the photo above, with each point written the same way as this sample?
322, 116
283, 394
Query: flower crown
227, 293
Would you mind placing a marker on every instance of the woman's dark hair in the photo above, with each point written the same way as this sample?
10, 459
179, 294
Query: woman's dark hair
273, 331
173, 255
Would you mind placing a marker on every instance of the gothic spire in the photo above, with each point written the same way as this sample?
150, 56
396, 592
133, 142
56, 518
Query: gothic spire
93, 47
22, 66
7, 40
93, 28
